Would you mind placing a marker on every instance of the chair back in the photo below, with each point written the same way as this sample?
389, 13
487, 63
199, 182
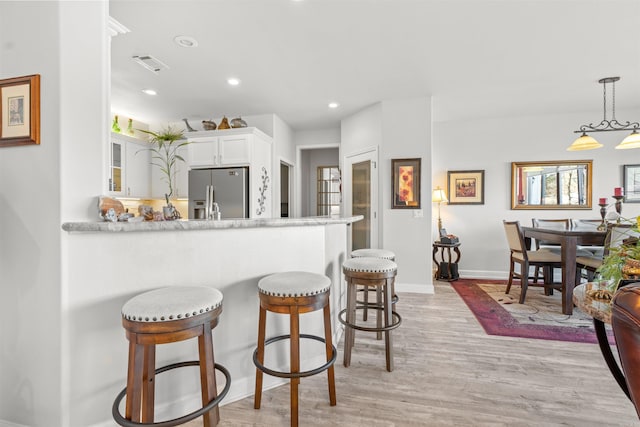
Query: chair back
616, 234
585, 224
515, 238
625, 322
558, 224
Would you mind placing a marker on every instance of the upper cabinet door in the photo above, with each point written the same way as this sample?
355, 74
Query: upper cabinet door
137, 170
203, 154
234, 150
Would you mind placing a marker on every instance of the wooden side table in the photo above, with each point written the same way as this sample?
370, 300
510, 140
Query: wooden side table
447, 266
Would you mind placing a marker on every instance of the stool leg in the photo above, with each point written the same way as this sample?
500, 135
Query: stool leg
388, 320
134, 379
379, 312
329, 347
208, 376
349, 333
294, 322
148, 383
365, 311
260, 355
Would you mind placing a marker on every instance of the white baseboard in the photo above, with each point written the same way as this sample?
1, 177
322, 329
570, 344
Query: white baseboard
415, 288
484, 274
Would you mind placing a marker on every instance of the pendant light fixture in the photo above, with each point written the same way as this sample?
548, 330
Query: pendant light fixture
587, 142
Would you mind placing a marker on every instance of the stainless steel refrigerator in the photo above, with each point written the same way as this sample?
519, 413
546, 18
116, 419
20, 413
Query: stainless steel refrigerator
227, 187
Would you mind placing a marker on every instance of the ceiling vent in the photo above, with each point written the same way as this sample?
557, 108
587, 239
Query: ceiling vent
150, 63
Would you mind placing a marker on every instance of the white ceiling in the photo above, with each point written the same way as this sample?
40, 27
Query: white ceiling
477, 58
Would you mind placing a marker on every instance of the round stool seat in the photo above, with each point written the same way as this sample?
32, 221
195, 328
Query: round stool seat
369, 265
294, 284
172, 303
373, 253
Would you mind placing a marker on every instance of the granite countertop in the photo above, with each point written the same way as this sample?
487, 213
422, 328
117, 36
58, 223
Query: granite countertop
200, 224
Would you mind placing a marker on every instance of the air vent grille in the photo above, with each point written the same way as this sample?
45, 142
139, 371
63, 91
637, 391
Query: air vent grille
150, 63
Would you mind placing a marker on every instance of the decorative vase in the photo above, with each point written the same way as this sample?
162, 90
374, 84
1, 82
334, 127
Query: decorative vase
209, 125
115, 126
130, 130
224, 123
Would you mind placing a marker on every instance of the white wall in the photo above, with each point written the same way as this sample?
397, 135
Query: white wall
399, 128
40, 187
492, 144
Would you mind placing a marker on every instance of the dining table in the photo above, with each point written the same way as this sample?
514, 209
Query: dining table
569, 240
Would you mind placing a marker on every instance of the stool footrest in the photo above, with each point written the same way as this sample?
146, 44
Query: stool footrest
397, 320
122, 421
281, 374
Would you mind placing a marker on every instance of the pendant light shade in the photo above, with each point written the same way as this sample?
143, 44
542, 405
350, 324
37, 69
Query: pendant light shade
608, 124
632, 141
584, 142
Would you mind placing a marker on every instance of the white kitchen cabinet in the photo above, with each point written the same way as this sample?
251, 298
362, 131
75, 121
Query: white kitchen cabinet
238, 147
129, 167
216, 151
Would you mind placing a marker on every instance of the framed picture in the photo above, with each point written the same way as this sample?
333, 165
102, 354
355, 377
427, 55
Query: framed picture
20, 111
405, 183
631, 183
466, 187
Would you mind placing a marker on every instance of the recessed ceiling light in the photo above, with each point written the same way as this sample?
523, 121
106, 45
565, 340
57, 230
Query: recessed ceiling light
149, 91
185, 41
333, 105
233, 81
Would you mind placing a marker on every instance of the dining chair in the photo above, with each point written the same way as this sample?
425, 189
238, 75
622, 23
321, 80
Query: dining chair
616, 234
519, 254
560, 224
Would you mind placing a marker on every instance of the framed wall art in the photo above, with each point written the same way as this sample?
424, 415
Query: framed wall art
466, 187
405, 183
20, 111
631, 183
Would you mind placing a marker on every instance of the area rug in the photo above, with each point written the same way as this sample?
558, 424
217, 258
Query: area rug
540, 317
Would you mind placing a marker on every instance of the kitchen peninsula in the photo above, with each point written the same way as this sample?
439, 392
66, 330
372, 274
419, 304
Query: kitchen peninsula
111, 262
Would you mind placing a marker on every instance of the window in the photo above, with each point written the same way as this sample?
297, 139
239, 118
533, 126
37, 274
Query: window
328, 190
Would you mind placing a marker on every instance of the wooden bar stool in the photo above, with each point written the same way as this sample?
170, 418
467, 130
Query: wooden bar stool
294, 293
374, 253
370, 272
164, 316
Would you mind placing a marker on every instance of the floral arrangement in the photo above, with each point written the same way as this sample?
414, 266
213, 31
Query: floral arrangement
623, 261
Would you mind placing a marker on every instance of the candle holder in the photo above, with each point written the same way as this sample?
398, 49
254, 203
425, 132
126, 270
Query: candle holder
618, 206
603, 214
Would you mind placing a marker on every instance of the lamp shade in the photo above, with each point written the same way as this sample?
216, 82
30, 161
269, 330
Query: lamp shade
632, 141
439, 196
584, 142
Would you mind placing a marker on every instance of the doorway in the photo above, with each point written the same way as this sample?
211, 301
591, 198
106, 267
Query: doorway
285, 189
361, 197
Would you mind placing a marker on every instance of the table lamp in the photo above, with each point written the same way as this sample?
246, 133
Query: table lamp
438, 197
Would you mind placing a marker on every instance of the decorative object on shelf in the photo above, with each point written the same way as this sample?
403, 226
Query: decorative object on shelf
405, 181
130, 130
20, 119
265, 185
189, 128
603, 212
238, 123
108, 203
209, 125
115, 127
466, 187
586, 142
146, 211
224, 123
164, 154
631, 182
438, 197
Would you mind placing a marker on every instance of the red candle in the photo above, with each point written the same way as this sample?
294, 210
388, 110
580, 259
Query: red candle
603, 201
617, 191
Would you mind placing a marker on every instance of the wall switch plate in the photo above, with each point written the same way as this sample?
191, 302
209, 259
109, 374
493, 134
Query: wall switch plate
417, 213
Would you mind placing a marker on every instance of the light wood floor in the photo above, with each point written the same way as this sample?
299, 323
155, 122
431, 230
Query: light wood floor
450, 373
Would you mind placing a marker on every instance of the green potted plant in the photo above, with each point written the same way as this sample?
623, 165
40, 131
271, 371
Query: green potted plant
622, 262
164, 155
